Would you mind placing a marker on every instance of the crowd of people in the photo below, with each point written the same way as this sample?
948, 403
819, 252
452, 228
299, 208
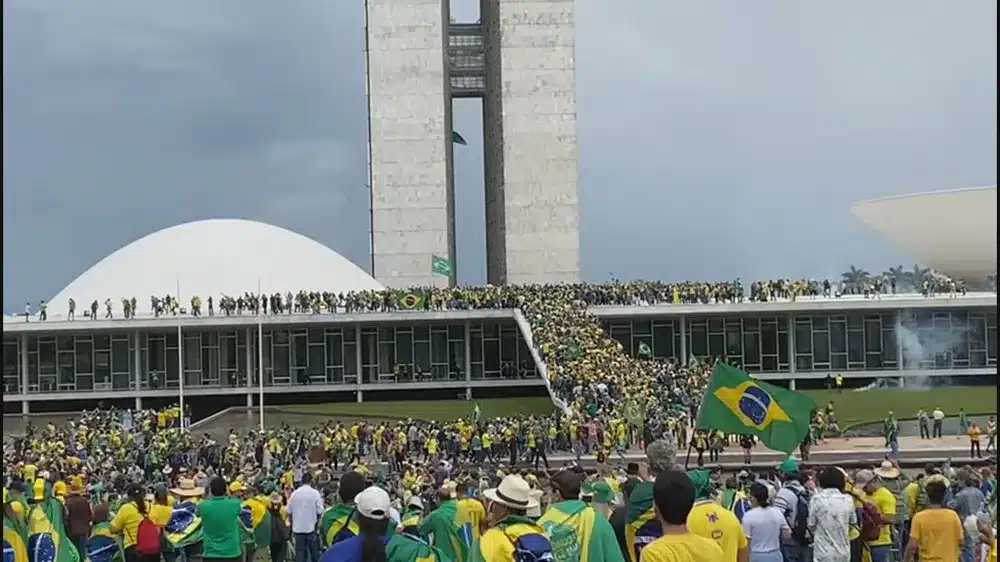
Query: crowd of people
132, 486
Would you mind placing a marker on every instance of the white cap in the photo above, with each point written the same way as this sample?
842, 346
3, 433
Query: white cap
415, 501
373, 502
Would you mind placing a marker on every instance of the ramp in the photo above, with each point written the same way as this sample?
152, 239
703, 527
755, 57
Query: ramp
522, 324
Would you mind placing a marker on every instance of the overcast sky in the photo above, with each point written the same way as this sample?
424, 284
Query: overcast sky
717, 139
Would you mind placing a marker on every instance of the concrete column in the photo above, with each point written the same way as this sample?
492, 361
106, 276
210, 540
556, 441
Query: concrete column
251, 338
361, 396
137, 358
357, 358
468, 393
468, 354
25, 408
249, 400
684, 340
138, 402
791, 345
22, 350
791, 384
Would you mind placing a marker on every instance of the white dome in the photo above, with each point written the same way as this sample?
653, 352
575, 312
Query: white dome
952, 231
212, 258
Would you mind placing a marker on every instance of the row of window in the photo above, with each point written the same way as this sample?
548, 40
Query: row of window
296, 356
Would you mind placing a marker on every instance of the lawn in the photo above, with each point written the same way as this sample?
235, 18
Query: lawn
870, 405
851, 407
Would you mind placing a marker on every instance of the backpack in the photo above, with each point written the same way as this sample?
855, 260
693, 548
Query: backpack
800, 527
531, 547
147, 538
871, 522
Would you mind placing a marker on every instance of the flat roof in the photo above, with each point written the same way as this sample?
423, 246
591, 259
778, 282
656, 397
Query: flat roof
852, 303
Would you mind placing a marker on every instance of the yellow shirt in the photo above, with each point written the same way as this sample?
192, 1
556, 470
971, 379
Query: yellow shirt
126, 522
712, 521
993, 551
160, 514
682, 548
476, 514
911, 492
974, 433
938, 533
885, 502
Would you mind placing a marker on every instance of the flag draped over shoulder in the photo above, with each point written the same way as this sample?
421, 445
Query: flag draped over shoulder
47, 540
333, 524
736, 403
449, 528
405, 548
184, 527
103, 546
256, 520
577, 532
15, 541
641, 525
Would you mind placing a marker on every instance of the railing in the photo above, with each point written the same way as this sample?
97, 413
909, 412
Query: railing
522, 324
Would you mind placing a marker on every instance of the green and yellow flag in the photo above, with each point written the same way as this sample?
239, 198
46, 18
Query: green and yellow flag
103, 545
577, 532
259, 519
336, 525
736, 403
410, 300
47, 540
15, 540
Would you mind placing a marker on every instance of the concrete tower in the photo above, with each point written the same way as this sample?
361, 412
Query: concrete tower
519, 60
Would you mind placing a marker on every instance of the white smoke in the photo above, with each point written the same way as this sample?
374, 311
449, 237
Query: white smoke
924, 344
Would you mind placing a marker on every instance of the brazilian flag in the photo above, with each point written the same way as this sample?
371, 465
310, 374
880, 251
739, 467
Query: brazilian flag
103, 546
410, 300
184, 527
257, 520
336, 525
47, 540
15, 541
737, 403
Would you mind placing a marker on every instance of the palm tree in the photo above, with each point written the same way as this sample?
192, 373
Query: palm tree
916, 277
855, 276
897, 274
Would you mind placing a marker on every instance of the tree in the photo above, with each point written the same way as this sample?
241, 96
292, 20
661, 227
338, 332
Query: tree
897, 274
917, 276
855, 276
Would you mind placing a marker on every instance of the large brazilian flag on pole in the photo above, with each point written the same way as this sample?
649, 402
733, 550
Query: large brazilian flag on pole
736, 403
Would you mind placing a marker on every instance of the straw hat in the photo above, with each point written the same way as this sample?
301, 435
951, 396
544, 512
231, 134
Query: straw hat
187, 489
513, 492
887, 470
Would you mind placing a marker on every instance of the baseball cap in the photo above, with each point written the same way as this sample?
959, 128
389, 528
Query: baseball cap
373, 502
789, 466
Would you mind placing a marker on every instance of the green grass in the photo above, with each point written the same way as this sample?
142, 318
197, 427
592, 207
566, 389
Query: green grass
857, 407
851, 407
438, 410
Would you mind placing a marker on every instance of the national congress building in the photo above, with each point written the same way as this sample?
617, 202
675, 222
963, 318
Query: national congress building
61, 365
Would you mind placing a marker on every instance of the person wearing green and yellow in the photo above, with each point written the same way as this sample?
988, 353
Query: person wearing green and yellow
713, 521
576, 530
449, 527
220, 523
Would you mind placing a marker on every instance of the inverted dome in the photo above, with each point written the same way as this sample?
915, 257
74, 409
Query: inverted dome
952, 231
213, 258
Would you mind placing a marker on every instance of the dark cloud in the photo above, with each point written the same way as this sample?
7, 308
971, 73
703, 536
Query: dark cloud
716, 139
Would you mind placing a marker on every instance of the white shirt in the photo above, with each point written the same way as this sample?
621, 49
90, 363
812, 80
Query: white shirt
831, 514
305, 507
763, 526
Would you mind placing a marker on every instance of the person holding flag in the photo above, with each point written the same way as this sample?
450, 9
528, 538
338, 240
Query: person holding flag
47, 539
576, 530
15, 535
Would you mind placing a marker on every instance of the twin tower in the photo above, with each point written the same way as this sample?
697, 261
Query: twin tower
519, 59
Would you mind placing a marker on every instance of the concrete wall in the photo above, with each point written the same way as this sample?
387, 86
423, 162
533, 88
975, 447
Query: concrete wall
410, 140
531, 169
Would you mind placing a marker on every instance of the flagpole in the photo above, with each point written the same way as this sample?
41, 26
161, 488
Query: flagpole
180, 354
260, 358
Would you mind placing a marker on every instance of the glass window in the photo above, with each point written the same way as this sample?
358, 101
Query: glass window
457, 332
803, 338
663, 341
768, 338
102, 366
734, 338
715, 325
642, 327
769, 363
335, 350
977, 359
491, 357
349, 359
476, 347
855, 321
192, 354
991, 345
439, 347
301, 348
47, 357
508, 347
821, 347
838, 361
803, 363
873, 336
282, 363
386, 357
404, 347
873, 361
228, 354
751, 349
84, 357
889, 349
102, 342
977, 333
698, 340
422, 356
820, 322
120, 356
838, 337
855, 346
751, 325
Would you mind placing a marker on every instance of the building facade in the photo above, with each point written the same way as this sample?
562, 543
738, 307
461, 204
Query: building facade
519, 60
465, 350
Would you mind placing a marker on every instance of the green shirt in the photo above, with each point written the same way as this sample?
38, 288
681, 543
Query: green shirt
221, 527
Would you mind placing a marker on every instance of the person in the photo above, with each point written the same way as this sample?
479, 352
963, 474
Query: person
765, 526
374, 543
220, 524
938, 415
509, 526
925, 424
642, 526
280, 533
936, 532
975, 433
713, 521
790, 497
871, 491
831, 516
336, 523
305, 507
619, 516
967, 502
893, 479
673, 498
574, 527
126, 523
78, 515
450, 526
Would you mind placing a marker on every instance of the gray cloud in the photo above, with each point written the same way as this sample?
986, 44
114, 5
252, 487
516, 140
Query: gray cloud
716, 139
